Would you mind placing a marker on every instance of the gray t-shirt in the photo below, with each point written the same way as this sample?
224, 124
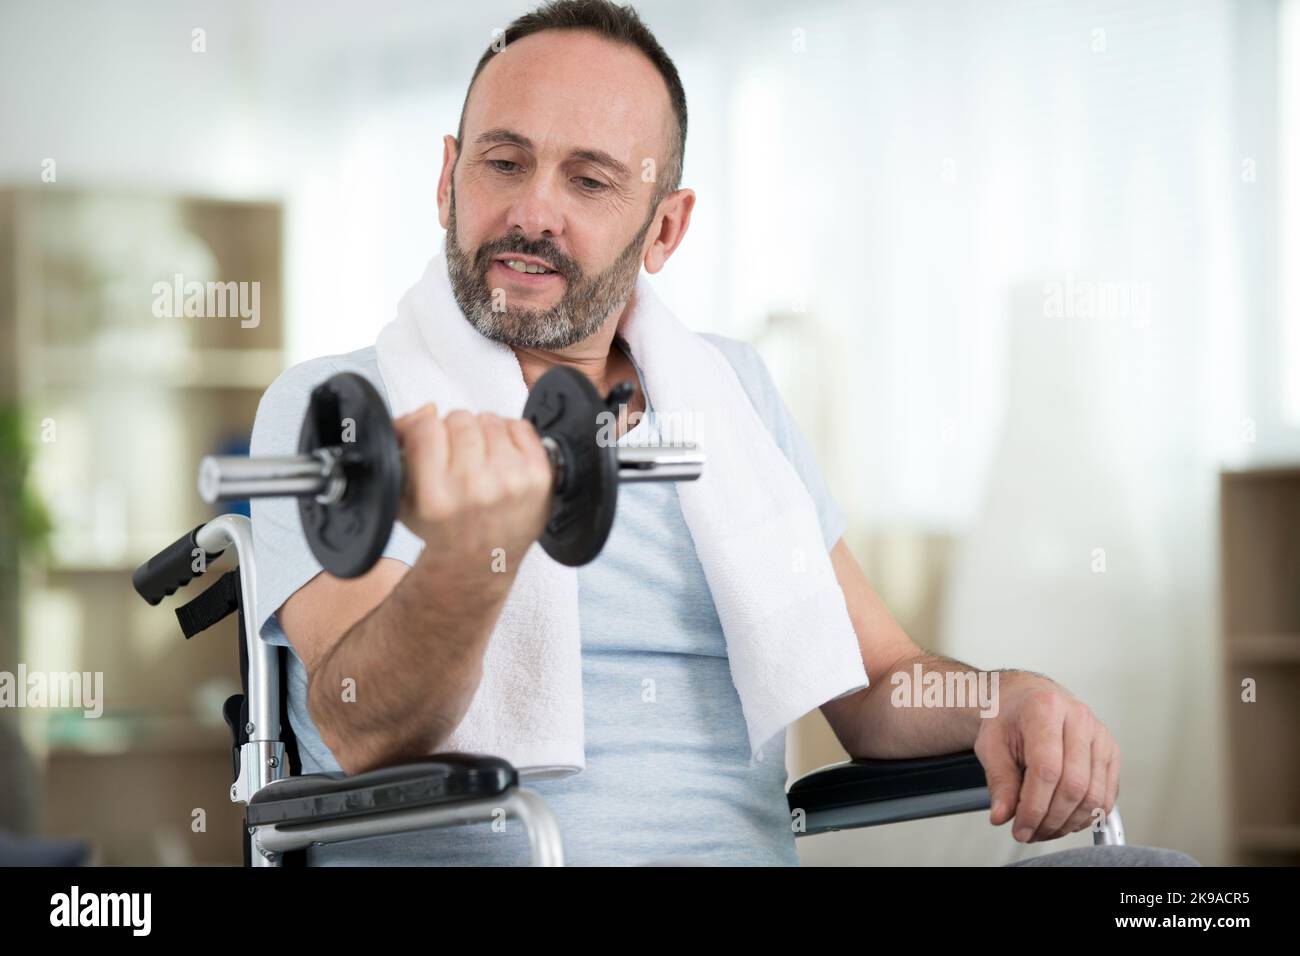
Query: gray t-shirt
669, 775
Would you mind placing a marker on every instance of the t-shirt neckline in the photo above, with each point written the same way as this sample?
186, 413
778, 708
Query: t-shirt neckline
641, 382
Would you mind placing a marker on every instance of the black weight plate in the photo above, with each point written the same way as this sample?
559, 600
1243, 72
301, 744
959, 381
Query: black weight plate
565, 405
348, 537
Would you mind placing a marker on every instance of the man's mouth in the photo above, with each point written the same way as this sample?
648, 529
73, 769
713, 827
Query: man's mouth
525, 270
527, 265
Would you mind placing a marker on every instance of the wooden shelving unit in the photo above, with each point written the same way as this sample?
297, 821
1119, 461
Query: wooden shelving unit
1260, 539
135, 400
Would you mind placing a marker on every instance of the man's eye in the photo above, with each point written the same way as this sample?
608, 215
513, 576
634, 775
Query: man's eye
589, 184
498, 163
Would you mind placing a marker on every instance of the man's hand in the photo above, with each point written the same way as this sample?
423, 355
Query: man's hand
1047, 758
474, 485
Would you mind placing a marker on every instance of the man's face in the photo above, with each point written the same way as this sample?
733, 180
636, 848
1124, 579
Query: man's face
556, 132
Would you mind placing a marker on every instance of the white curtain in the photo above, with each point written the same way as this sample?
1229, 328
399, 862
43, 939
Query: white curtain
1037, 235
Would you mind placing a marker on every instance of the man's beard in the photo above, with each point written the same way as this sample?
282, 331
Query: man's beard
581, 311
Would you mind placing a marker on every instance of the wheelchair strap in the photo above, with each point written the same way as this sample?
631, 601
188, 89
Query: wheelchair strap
215, 604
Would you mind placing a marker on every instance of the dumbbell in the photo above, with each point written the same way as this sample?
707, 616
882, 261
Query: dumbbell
347, 475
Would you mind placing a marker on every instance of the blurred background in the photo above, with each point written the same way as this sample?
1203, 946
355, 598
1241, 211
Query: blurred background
1027, 274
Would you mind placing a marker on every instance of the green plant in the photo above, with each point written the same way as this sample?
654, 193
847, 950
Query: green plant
24, 521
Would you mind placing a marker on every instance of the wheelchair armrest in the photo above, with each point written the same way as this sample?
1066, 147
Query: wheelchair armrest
439, 780
863, 793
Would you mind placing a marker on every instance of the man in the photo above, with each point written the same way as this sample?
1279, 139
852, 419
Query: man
549, 170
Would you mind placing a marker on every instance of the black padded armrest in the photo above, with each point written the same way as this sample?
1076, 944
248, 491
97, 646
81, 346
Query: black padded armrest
439, 779
859, 793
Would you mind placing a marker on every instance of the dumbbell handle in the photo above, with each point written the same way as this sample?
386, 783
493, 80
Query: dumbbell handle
320, 474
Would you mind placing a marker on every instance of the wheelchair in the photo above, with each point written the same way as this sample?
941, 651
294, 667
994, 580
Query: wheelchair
285, 811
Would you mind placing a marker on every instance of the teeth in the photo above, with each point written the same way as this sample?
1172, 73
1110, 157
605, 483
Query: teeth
529, 267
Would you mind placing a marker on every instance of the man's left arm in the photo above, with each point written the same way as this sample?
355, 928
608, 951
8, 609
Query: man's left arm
1049, 761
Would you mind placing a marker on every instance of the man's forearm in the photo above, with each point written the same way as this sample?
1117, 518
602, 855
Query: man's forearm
926, 712
401, 679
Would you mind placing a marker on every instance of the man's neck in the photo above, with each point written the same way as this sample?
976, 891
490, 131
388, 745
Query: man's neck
592, 357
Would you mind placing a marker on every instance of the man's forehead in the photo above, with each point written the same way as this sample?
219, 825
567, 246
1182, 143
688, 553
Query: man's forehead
571, 90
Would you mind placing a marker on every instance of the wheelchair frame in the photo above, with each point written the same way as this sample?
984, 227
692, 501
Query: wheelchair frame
286, 814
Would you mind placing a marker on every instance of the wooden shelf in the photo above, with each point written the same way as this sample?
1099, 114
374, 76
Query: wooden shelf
1264, 648
1269, 839
215, 368
1259, 515
136, 734
1281, 470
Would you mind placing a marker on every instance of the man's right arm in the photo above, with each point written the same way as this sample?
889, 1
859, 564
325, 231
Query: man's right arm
393, 657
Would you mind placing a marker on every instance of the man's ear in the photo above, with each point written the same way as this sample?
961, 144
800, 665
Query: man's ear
450, 150
674, 219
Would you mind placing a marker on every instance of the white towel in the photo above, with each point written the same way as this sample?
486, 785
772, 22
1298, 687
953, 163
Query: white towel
790, 643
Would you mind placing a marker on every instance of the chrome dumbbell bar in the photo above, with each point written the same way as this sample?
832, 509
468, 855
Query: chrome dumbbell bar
322, 473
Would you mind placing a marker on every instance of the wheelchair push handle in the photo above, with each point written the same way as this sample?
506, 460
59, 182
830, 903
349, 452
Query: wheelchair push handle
172, 568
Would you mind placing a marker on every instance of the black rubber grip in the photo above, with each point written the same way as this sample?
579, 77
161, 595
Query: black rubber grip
171, 568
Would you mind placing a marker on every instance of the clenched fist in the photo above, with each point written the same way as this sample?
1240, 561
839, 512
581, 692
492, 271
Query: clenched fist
472, 484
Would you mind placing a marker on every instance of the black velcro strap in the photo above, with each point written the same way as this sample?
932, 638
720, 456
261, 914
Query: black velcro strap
213, 605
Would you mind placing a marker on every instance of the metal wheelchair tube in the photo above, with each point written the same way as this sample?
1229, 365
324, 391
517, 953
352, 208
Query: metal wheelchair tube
521, 803
262, 759
1112, 832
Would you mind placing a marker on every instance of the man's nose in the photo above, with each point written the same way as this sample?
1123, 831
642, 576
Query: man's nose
535, 210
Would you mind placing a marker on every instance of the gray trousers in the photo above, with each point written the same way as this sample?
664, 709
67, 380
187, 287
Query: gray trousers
1110, 856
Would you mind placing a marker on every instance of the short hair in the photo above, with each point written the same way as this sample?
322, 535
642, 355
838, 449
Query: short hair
620, 24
